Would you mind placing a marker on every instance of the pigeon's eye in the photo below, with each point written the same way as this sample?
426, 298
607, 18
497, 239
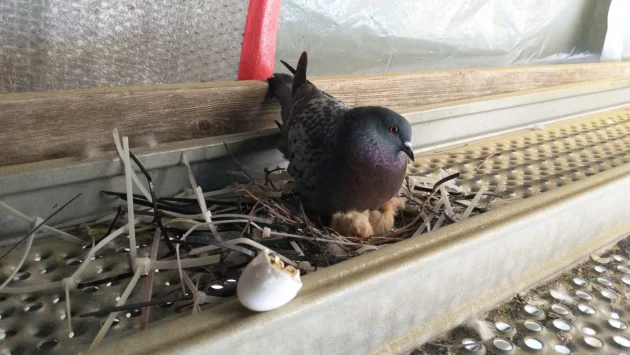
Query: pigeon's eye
393, 129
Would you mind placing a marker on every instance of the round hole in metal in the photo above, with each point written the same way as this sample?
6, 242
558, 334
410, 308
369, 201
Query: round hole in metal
47, 344
586, 309
589, 330
102, 270
562, 349
5, 313
561, 310
624, 269
614, 315
9, 333
33, 307
45, 330
532, 326
69, 256
114, 323
21, 276
618, 324
533, 343
166, 305
74, 262
502, 344
579, 281
90, 290
583, 295
610, 294
112, 283
46, 270
30, 299
134, 313
471, 345
562, 325
593, 341
622, 340
600, 269
604, 281
503, 327
533, 310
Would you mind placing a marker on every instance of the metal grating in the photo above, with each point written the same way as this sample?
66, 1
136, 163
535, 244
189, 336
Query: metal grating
526, 163
35, 322
517, 165
581, 312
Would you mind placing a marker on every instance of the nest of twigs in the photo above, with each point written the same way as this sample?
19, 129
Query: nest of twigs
210, 236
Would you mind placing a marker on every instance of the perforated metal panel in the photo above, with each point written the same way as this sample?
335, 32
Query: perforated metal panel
583, 311
38, 321
527, 163
518, 165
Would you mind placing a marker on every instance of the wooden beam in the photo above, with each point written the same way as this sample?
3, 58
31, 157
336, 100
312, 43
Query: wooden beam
46, 125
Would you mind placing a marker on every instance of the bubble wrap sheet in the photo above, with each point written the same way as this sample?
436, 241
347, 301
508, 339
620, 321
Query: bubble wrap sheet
63, 44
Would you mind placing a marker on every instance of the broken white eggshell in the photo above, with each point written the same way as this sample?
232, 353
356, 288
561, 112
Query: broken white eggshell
266, 283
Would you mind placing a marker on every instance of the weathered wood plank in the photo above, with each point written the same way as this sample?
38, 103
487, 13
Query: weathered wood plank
38, 126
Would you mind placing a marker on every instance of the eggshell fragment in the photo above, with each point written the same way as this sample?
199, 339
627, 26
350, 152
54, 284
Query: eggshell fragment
266, 283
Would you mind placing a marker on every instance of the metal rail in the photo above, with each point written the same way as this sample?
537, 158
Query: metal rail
393, 299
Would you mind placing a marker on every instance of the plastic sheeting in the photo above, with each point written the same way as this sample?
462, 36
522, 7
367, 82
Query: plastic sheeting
370, 36
71, 44
617, 42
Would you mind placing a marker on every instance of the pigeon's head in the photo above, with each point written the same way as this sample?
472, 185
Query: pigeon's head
384, 126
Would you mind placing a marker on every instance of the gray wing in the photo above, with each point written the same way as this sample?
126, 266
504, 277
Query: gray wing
312, 132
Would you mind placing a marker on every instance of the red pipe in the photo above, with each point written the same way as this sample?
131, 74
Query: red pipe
258, 52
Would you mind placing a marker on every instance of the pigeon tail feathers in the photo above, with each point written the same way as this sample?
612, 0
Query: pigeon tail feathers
280, 85
292, 70
299, 77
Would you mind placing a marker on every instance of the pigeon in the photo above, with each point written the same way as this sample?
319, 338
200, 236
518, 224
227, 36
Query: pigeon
342, 158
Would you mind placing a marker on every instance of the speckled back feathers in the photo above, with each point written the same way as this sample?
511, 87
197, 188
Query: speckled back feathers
322, 140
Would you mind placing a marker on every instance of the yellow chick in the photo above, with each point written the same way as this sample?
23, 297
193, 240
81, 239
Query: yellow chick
382, 221
367, 223
352, 224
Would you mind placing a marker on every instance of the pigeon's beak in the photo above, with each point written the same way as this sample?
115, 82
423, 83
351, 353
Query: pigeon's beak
408, 150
